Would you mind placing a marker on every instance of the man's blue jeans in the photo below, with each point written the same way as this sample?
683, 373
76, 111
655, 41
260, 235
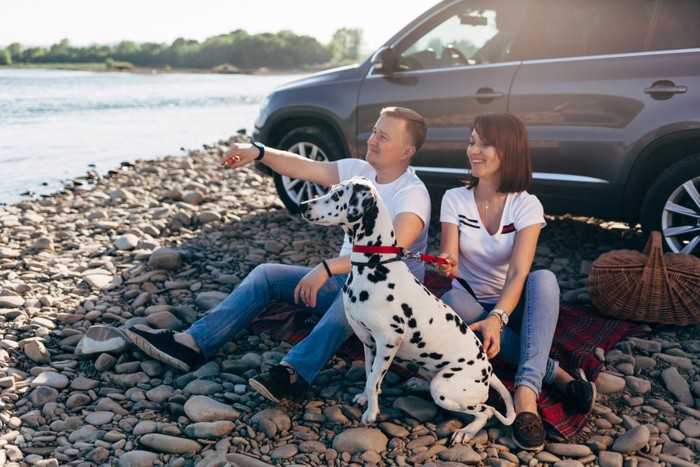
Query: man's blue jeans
535, 316
269, 282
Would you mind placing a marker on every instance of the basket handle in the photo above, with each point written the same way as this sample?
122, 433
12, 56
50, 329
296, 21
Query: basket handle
654, 273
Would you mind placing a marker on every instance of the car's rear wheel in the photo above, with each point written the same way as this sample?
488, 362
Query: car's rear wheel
672, 205
314, 144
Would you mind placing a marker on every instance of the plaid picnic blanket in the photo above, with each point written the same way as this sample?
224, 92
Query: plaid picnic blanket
579, 331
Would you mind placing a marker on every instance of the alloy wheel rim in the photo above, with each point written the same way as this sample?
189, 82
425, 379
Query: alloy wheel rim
680, 219
302, 190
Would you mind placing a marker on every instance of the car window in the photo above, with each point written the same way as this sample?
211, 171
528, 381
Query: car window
478, 32
595, 27
676, 25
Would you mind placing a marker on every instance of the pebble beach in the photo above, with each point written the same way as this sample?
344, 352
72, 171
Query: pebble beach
159, 243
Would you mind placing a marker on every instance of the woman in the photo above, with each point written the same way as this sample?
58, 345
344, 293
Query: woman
489, 236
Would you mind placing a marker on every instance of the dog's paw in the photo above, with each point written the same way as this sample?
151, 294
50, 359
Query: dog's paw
418, 385
369, 417
462, 436
360, 399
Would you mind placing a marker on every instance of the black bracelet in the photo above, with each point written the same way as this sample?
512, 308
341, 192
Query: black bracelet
261, 150
328, 270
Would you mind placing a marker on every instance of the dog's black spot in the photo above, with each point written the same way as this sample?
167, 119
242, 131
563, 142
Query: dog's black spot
463, 328
379, 274
424, 355
407, 310
447, 375
412, 323
430, 321
387, 358
449, 317
391, 285
461, 360
442, 364
480, 355
364, 295
416, 338
436, 356
398, 319
456, 369
390, 346
470, 362
389, 298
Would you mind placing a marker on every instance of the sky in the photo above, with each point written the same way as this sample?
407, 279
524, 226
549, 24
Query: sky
107, 22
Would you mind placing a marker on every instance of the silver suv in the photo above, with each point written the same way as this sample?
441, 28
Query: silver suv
609, 91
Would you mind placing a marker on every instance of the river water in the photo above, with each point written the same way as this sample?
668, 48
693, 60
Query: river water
56, 125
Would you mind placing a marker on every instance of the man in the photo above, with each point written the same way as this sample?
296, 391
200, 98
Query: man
396, 137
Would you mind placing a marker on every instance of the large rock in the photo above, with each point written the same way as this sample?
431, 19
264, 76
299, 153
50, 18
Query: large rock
100, 339
165, 258
170, 444
208, 300
138, 459
359, 440
632, 441
206, 409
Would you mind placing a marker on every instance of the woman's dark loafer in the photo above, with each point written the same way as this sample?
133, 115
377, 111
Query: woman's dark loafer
528, 431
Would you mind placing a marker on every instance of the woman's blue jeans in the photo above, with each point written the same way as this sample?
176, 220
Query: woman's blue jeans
535, 316
269, 282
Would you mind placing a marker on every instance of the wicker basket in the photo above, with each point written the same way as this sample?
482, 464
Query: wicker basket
648, 286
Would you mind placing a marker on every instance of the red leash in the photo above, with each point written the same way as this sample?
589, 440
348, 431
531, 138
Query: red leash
403, 254
397, 250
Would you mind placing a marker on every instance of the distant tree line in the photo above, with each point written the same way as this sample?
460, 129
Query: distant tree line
282, 50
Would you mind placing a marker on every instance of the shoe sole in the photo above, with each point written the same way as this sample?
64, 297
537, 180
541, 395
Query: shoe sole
582, 375
262, 390
532, 449
147, 348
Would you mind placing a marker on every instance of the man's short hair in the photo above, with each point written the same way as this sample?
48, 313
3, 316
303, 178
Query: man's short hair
415, 123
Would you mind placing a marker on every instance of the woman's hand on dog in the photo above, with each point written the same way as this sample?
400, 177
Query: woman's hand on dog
490, 330
309, 285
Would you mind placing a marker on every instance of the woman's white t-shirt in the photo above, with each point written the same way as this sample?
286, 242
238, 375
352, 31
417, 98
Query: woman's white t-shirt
405, 194
484, 258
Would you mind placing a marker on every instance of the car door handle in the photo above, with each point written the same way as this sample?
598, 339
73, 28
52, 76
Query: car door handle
664, 90
486, 95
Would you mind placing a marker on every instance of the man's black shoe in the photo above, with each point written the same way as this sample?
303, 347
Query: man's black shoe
580, 393
528, 432
162, 346
276, 384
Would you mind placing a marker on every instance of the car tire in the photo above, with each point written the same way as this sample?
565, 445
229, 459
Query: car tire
672, 206
312, 143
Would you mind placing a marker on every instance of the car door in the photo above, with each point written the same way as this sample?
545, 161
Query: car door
449, 68
581, 94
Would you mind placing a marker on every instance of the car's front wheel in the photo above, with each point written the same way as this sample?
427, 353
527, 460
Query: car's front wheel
314, 144
672, 205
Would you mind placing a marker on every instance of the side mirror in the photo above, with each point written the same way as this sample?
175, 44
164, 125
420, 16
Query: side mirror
383, 61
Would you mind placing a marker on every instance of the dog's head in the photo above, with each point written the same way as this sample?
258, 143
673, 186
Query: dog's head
345, 204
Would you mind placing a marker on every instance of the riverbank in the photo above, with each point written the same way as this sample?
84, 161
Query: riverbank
78, 265
128, 68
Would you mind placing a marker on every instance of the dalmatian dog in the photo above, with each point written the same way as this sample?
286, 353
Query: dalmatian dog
398, 318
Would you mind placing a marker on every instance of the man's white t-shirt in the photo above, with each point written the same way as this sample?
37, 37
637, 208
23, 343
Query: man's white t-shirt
484, 258
405, 194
